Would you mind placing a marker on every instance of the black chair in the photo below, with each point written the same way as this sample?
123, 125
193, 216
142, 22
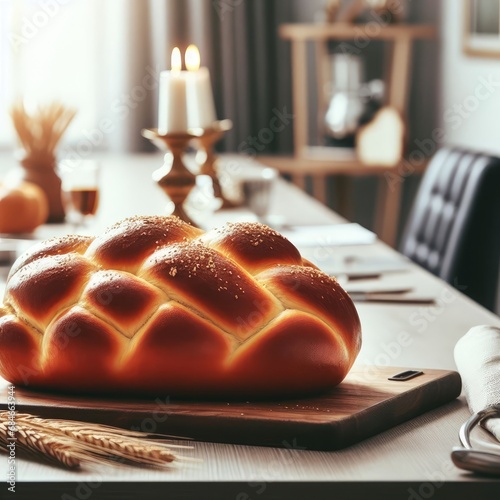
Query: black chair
454, 228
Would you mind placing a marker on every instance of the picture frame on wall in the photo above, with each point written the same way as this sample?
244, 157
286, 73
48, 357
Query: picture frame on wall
481, 36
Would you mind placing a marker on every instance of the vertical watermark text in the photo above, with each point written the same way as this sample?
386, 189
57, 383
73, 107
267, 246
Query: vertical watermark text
11, 438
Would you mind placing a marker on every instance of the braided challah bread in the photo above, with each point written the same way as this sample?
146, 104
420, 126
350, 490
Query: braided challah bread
156, 306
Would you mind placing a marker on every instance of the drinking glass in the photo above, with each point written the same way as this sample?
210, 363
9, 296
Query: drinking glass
80, 188
257, 192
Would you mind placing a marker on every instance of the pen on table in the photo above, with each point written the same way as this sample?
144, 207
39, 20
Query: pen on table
389, 298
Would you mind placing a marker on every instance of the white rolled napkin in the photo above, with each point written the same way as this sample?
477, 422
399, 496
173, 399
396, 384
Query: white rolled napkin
477, 355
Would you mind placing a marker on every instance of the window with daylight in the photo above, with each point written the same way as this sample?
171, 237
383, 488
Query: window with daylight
47, 53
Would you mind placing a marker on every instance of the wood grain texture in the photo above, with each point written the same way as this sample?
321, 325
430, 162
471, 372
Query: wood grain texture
365, 404
349, 31
299, 83
311, 165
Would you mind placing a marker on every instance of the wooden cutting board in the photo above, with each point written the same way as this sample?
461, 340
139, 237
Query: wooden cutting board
365, 404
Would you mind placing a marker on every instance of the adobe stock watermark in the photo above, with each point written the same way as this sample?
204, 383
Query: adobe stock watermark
33, 24
424, 316
149, 425
121, 107
84, 489
69, 330
11, 438
389, 352
437, 479
454, 116
274, 470
223, 7
252, 145
419, 320
364, 33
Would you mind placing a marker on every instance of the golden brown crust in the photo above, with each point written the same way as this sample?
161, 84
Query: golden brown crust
191, 351
82, 352
126, 244
309, 290
155, 306
54, 246
20, 348
39, 290
211, 284
254, 246
297, 352
121, 299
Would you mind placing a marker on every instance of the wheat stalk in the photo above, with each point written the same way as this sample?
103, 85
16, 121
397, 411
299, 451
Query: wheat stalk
70, 443
40, 132
42, 445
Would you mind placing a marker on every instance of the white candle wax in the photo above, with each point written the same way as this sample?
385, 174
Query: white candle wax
200, 99
172, 108
186, 99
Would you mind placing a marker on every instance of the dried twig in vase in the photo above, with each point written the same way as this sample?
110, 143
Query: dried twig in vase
39, 134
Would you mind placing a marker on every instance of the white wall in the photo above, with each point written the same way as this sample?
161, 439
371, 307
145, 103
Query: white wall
470, 111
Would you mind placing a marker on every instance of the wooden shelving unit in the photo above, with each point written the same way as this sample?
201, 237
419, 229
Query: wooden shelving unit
401, 37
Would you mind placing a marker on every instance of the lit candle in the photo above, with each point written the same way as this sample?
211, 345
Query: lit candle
172, 109
199, 96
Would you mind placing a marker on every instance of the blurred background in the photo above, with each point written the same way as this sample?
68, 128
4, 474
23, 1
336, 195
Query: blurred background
104, 59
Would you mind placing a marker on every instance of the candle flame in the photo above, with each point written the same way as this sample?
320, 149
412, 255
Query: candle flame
176, 62
192, 58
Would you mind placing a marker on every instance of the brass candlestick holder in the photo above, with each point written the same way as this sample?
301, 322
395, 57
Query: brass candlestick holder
174, 177
207, 159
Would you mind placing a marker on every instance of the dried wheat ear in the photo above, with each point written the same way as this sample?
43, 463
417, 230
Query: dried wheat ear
71, 444
40, 132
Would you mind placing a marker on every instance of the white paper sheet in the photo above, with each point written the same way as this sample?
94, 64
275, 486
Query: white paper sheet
329, 235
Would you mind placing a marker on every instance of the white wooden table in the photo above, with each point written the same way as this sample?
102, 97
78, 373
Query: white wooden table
409, 461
